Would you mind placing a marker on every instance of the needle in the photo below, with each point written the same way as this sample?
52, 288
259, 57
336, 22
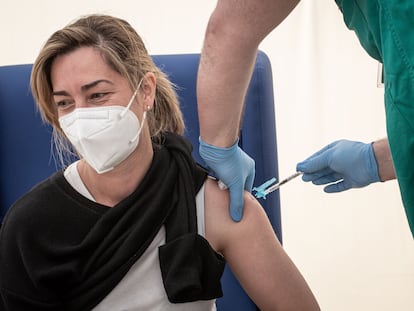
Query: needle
264, 190
284, 181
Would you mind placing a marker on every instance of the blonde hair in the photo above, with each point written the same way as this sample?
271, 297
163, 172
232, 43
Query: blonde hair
124, 51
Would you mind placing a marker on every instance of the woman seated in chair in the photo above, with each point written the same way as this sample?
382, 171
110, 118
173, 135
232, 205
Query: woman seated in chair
135, 224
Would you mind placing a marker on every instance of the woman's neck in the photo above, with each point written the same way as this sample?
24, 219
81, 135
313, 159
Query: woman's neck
112, 187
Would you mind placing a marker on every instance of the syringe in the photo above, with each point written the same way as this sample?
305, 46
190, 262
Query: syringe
264, 189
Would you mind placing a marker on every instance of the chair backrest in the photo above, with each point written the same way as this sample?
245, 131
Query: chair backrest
25, 149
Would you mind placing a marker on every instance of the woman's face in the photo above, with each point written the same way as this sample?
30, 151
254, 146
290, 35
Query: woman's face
82, 78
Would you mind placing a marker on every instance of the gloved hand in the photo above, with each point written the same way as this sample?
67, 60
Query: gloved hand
342, 165
234, 168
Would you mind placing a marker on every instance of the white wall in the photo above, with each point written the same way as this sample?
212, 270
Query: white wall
354, 248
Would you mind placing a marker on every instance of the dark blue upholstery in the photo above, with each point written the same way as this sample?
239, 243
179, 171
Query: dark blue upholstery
25, 157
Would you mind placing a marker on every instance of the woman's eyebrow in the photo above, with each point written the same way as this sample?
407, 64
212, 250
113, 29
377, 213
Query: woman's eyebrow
95, 83
83, 88
60, 93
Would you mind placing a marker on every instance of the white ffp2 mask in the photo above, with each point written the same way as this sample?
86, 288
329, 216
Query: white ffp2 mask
104, 136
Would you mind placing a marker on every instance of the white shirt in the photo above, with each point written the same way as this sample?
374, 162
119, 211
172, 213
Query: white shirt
142, 288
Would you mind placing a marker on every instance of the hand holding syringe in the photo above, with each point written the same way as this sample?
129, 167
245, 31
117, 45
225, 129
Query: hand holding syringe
263, 190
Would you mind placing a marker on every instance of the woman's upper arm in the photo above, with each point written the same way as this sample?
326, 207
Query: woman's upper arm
254, 254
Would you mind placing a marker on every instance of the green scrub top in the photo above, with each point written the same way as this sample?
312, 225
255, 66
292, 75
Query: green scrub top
385, 29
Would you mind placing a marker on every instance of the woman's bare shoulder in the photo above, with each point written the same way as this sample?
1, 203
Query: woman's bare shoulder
220, 228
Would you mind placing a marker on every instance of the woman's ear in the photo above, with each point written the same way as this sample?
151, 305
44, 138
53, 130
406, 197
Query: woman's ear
149, 84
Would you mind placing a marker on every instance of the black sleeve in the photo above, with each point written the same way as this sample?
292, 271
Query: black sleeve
19, 286
40, 261
13, 302
27, 242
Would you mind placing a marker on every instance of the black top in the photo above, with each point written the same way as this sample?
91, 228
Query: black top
61, 251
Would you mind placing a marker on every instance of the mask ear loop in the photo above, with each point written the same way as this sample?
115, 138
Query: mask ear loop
144, 116
122, 114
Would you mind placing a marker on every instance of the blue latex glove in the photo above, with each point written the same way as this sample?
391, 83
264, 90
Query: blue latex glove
342, 165
234, 168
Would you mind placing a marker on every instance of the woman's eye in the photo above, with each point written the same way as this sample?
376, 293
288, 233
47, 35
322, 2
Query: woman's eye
63, 104
97, 96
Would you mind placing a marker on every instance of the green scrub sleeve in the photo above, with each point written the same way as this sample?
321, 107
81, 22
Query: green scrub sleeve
385, 30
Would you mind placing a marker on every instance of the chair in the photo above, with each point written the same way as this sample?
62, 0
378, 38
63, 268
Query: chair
25, 150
